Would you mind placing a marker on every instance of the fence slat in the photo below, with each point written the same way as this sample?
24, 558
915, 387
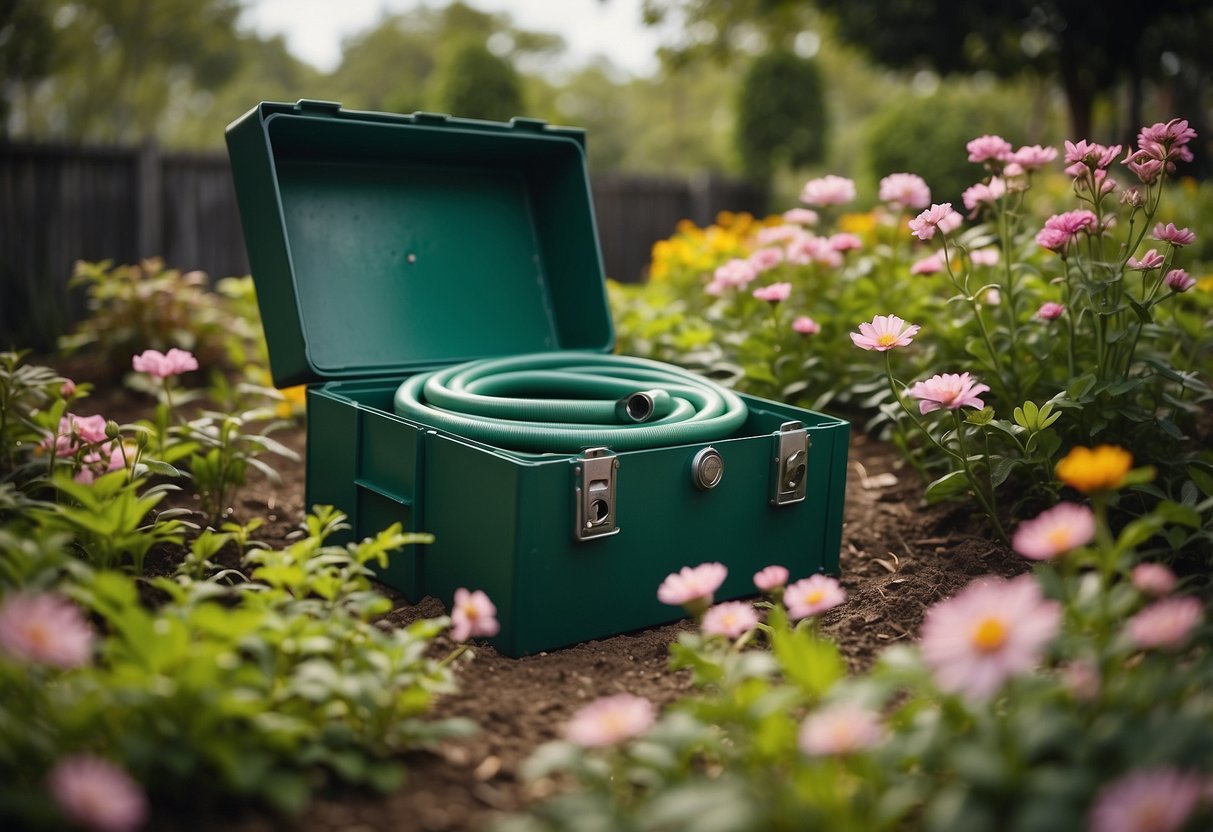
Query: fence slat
59, 204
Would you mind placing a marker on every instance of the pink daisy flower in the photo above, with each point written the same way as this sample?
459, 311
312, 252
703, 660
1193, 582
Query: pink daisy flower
1177, 280
775, 293
41, 628
694, 588
1175, 236
772, 577
988, 149
610, 721
905, 191
473, 615
845, 242
1061, 529
1165, 624
984, 257
736, 272
96, 794
940, 217
1086, 155
1150, 260
1081, 679
1154, 579
1062, 229
1033, 157
766, 258
948, 390
992, 630
828, 190
931, 264
884, 333
732, 619
806, 325
982, 194
812, 596
808, 248
800, 216
780, 233
1152, 800
1050, 311
164, 364
842, 728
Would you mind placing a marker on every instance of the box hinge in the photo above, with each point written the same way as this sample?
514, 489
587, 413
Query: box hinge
594, 494
311, 105
790, 464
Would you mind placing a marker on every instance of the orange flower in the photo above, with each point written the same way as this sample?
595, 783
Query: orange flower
1089, 470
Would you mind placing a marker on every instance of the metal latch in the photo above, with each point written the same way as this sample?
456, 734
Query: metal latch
790, 464
594, 494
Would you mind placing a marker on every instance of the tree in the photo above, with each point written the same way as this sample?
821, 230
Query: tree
471, 81
781, 113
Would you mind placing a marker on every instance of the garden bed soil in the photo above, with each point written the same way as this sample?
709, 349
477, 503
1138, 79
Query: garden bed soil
898, 557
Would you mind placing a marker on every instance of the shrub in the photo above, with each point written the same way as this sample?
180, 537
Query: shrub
781, 113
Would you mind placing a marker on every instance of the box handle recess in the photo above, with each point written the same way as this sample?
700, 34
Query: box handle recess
594, 494
790, 464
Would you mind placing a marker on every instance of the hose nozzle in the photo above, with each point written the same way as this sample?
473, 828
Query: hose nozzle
643, 406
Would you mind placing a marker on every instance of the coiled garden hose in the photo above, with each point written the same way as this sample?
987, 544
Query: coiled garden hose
564, 402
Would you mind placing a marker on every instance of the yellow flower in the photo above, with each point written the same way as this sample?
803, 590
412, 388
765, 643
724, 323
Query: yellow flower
1089, 470
294, 402
1205, 284
859, 224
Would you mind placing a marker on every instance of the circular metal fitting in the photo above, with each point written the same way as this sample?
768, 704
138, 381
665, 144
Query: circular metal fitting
707, 469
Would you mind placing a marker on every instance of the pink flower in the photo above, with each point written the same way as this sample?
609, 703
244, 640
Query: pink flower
96, 794
984, 257
1165, 624
68, 389
1081, 678
1151, 800
692, 588
931, 264
1145, 166
736, 273
905, 191
774, 293
1033, 157
731, 619
991, 296
988, 149
1061, 529
845, 242
800, 216
812, 596
948, 390
610, 721
981, 194
937, 216
772, 577
766, 258
992, 630
1175, 236
884, 333
828, 190
1154, 579
41, 628
1085, 156
1062, 229
1150, 260
1133, 197
72, 431
1178, 280
842, 728
164, 364
779, 233
1050, 311
473, 615
808, 248
806, 325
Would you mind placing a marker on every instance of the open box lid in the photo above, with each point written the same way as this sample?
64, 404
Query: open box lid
387, 244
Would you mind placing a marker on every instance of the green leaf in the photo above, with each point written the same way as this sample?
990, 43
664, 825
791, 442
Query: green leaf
1202, 478
811, 662
1080, 386
946, 487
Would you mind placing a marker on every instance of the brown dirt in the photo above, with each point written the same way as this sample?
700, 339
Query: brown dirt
898, 558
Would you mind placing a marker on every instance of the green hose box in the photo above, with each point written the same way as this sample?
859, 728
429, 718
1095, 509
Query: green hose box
385, 245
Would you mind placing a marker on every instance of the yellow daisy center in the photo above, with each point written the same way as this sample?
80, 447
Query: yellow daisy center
886, 339
1058, 538
815, 597
989, 635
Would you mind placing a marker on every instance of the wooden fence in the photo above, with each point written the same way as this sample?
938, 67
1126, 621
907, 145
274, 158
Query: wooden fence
60, 204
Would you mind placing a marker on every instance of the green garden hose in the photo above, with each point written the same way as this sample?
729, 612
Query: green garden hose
564, 402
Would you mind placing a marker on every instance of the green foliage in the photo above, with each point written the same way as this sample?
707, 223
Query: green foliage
927, 135
472, 82
781, 113
1037, 754
260, 689
146, 306
24, 390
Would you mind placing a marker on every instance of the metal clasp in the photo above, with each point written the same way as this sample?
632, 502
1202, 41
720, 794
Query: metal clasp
790, 464
594, 494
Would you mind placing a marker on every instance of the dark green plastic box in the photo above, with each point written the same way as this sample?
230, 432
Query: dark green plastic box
383, 245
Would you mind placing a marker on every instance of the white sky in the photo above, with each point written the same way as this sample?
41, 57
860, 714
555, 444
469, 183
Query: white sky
314, 28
